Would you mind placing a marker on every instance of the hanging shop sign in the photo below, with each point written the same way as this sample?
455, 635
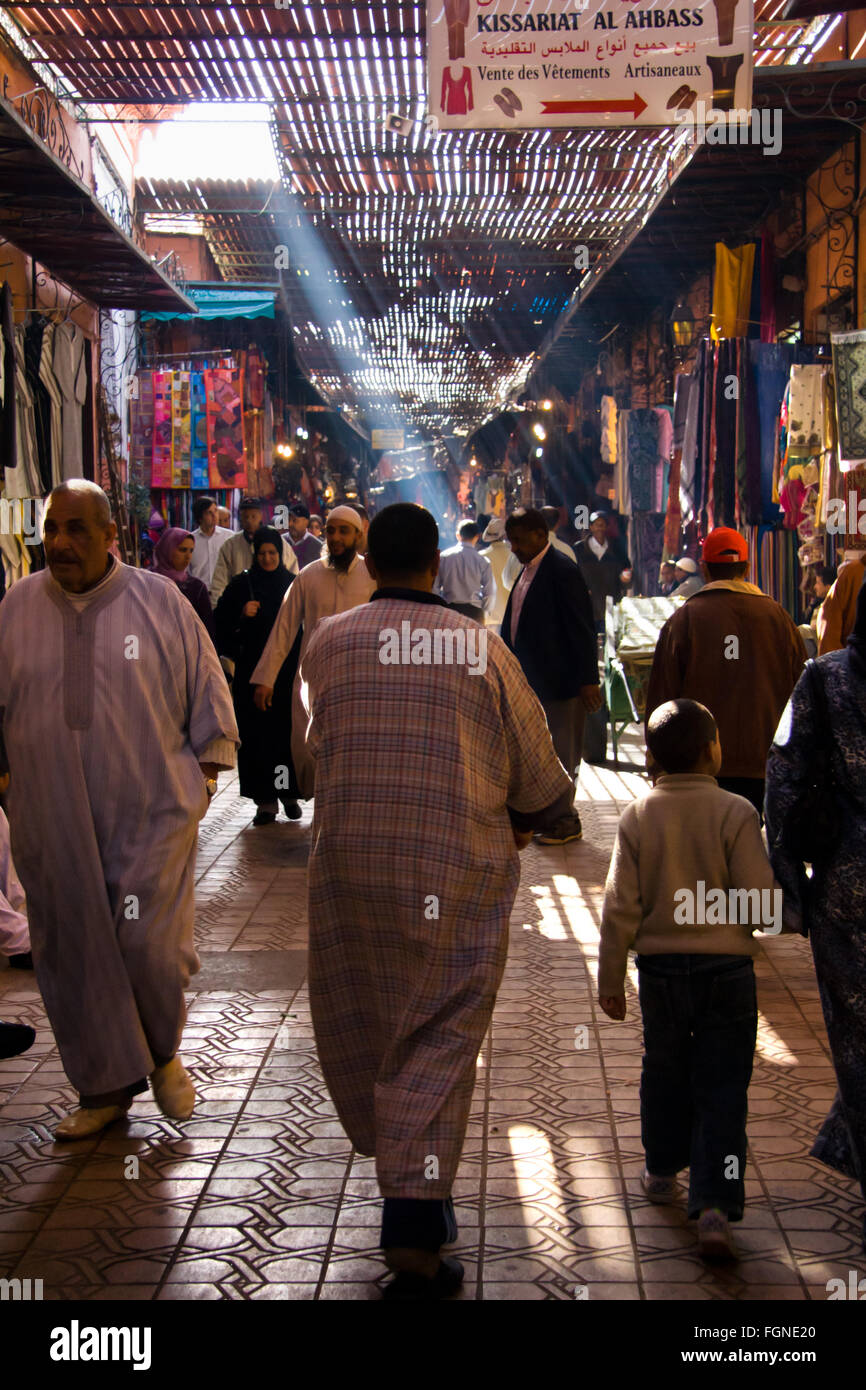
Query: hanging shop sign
534, 64
388, 439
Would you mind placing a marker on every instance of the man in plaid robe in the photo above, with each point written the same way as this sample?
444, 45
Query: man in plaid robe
414, 872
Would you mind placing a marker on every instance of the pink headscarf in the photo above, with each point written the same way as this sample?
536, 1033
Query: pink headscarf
165, 548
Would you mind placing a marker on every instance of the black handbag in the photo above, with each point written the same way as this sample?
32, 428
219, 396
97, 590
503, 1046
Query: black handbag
814, 825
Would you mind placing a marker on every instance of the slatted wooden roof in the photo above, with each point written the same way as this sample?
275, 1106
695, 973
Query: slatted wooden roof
426, 268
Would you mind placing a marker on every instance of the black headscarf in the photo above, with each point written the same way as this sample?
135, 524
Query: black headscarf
268, 585
857, 640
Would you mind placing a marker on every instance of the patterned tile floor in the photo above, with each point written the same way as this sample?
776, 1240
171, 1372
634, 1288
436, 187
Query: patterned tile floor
259, 1196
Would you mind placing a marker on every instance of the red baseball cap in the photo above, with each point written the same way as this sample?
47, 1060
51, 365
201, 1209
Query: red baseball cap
725, 546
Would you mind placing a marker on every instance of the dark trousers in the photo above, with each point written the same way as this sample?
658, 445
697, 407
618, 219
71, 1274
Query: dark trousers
469, 610
418, 1224
752, 788
700, 1022
566, 720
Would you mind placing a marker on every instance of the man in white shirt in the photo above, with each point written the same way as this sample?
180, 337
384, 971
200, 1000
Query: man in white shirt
209, 538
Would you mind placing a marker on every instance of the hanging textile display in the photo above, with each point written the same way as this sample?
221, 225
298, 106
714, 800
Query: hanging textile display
732, 291
806, 411
199, 472
225, 427
608, 429
141, 429
161, 475
180, 430
849, 370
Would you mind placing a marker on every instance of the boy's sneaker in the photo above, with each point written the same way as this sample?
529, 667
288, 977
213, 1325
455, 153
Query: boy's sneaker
714, 1236
660, 1190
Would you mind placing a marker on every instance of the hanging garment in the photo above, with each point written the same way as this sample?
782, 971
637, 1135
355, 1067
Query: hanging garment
686, 414
608, 429
162, 392
8, 429
457, 92
849, 370
25, 480
55, 396
643, 454
806, 411
456, 20
225, 427
768, 290
33, 334
732, 291
180, 430
199, 473
141, 431
70, 370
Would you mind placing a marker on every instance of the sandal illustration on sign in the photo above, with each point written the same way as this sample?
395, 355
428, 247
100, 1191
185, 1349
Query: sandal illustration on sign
508, 102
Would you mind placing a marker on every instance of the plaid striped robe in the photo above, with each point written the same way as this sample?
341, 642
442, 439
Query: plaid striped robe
412, 876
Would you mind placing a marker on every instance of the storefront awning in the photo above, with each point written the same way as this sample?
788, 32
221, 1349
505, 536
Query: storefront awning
48, 213
224, 302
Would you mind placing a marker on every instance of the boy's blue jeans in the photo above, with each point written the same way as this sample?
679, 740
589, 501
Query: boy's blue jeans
700, 1022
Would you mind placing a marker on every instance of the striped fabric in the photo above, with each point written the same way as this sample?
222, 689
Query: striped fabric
413, 876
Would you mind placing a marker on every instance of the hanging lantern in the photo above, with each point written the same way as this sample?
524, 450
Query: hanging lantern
682, 325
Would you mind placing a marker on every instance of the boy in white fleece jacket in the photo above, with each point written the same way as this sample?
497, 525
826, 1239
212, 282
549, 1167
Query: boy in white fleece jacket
689, 882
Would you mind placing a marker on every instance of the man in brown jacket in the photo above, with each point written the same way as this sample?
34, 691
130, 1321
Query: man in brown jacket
839, 609
735, 650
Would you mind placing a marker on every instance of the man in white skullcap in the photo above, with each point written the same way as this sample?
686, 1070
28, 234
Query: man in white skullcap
689, 578
334, 584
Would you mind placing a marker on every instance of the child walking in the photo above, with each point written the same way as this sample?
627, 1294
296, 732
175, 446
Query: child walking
689, 882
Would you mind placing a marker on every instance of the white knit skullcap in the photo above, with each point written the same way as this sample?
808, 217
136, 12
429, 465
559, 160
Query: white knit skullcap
347, 514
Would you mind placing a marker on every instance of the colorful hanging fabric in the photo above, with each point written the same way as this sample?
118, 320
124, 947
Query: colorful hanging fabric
141, 430
643, 454
180, 430
161, 471
849, 369
225, 427
806, 411
732, 291
199, 472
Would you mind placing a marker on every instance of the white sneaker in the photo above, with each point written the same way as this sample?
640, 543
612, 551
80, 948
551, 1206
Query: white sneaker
173, 1090
81, 1124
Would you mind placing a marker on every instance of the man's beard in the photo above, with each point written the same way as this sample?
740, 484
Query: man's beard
342, 562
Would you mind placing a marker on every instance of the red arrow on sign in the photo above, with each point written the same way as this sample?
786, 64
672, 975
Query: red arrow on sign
590, 108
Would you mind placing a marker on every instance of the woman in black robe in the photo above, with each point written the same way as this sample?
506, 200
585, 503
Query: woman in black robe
245, 614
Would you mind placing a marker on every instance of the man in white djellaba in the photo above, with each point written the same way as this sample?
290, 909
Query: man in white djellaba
116, 719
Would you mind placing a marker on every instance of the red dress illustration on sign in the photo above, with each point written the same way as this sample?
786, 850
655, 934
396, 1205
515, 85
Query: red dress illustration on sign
457, 93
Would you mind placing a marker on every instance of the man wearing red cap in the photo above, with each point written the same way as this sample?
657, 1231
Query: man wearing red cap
735, 650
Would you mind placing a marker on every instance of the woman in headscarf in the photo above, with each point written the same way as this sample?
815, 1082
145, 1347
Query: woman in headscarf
832, 903
171, 558
245, 614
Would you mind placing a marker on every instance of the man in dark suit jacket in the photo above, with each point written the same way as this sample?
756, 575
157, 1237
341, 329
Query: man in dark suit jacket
549, 626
